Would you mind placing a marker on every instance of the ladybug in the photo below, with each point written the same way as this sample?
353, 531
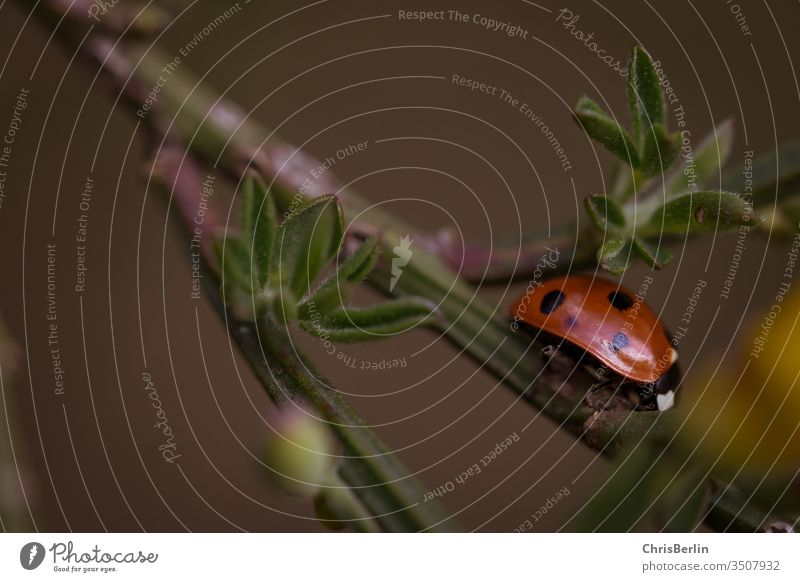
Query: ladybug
608, 330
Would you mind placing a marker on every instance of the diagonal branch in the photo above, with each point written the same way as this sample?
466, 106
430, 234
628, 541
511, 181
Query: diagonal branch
375, 475
215, 130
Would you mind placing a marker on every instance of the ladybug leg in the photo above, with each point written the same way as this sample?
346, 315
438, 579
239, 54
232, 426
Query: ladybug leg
608, 394
598, 372
639, 395
548, 352
555, 359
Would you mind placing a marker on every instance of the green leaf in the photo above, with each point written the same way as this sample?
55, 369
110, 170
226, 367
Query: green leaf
614, 254
772, 175
234, 259
699, 212
684, 502
654, 255
249, 202
353, 270
282, 305
371, 323
305, 243
644, 94
259, 224
707, 158
603, 129
606, 215
360, 265
659, 151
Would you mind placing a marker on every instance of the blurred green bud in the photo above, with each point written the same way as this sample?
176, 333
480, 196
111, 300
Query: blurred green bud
300, 454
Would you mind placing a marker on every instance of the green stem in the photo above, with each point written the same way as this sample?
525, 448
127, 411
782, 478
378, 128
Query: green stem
626, 185
216, 130
731, 512
514, 259
368, 467
380, 481
345, 508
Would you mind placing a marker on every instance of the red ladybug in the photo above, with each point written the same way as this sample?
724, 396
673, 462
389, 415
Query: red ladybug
603, 326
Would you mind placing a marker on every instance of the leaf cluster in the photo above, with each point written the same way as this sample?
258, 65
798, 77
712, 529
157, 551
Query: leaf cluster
676, 198
295, 271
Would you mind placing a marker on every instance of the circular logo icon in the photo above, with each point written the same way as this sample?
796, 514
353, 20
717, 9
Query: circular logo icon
31, 555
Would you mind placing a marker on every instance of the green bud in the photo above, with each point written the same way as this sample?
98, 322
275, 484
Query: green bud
299, 454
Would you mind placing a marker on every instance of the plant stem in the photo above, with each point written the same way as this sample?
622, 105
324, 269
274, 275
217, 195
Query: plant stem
380, 481
515, 259
731, 513
629, 182
216, 130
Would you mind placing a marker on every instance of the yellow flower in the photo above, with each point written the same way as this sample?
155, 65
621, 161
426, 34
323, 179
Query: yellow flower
745, 416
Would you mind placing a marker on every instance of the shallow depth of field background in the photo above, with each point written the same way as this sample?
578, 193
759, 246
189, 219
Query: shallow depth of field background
343, 77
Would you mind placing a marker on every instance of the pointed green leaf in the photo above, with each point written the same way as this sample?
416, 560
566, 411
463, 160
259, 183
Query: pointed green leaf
249, 203
645, 95
606, 215
282, 305
659, 151
264, 240
633, 102
259, 224
360, 265
353, 270
371, 323
234, 261
305, 243
603, 129
700, 169
699, 212
613, 256
655, 255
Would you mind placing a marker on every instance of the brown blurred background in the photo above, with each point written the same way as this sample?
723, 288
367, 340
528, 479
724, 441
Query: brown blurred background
472, 162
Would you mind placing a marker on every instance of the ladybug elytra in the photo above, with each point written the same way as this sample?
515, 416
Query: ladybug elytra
608, 330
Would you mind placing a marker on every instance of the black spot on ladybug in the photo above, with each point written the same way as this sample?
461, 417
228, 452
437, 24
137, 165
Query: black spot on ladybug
551, 301
570, 322
620, 300
619, 341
